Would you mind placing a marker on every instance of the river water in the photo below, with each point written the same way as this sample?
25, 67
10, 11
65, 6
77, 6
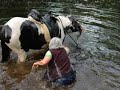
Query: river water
97, 60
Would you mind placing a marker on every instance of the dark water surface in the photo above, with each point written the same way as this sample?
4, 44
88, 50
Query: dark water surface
97, 63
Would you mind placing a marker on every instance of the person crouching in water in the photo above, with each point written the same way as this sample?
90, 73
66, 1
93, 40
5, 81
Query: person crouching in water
59, 69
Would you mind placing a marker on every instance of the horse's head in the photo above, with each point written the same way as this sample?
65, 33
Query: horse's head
75, 26
69, 22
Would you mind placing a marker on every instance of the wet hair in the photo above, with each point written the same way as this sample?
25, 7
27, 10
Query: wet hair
55, 43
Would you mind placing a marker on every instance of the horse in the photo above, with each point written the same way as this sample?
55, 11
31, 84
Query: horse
20, 34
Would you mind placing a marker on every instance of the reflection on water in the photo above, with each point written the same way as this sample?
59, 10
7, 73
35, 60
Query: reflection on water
97, 62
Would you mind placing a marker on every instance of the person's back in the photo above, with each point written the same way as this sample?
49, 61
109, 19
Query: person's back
59, 65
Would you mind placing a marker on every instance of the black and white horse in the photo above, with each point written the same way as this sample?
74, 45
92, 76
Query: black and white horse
21, 34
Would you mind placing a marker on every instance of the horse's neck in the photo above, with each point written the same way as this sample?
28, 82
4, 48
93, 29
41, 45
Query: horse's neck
64, 21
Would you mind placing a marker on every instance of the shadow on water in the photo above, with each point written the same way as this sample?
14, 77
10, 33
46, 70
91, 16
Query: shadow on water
97, 62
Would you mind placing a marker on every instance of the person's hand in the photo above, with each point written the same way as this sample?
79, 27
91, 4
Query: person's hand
35, 65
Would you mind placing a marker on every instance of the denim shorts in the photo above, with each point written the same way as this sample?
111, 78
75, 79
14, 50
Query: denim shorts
65, 80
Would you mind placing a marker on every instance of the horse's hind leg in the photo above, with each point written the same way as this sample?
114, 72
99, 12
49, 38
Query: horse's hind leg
5, 52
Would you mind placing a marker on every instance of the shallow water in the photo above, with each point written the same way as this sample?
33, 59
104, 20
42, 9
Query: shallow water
97, 61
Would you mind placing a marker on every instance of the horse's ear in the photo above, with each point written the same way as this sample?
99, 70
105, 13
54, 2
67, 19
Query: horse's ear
50, 12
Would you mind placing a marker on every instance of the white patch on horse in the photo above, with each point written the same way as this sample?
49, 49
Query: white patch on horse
63, 23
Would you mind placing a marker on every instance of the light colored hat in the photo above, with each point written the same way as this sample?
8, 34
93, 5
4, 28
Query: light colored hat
55, 43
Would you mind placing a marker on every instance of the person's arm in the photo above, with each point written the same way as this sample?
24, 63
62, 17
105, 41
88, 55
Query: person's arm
45, 60
67, 49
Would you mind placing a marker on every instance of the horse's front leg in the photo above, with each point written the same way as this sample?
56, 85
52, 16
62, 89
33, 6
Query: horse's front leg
22, 55
5, 52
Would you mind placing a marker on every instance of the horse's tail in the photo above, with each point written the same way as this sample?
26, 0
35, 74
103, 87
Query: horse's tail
5, 33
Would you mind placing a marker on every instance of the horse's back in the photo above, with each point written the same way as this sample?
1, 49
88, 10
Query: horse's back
15, 22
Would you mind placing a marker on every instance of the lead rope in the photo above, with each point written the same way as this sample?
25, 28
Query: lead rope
58, 70
73, 40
